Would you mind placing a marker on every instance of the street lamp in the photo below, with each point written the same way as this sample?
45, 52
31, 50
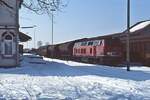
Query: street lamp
52, 10
25, 27
128, 36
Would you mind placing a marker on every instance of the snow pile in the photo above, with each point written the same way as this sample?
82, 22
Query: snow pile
140, 26
67, 80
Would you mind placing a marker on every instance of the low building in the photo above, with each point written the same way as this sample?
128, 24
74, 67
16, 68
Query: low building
23, 38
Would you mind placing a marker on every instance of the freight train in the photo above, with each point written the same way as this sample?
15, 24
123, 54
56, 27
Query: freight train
103, 50
108, 50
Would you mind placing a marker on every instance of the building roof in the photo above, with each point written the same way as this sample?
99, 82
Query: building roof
23, 37
141, 28
140, 25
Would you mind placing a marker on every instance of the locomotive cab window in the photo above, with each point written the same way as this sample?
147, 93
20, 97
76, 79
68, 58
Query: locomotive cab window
90, 43
95, 43
101, 42
83, 43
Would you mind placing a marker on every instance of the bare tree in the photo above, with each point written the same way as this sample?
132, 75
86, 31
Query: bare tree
40, 6
2, 2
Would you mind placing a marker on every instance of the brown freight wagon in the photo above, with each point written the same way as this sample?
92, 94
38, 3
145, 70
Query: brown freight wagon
66, 50
139, 43
53, 51
42, 51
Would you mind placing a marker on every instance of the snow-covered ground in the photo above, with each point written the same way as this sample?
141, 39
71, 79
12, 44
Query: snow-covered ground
48, 79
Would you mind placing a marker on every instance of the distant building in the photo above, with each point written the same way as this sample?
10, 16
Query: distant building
9, 32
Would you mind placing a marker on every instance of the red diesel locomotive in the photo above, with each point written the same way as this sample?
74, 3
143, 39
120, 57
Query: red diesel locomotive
103, 51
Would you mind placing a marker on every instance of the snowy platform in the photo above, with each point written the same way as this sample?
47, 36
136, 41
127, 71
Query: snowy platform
34, 59
67, 80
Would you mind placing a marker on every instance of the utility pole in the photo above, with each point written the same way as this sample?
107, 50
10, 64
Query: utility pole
17, 31
52, 24
128, 36
34, 37
52, 10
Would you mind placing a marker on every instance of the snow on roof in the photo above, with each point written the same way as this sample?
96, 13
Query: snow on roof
140, 26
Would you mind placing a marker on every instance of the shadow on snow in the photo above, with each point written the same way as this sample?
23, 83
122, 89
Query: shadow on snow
65, 70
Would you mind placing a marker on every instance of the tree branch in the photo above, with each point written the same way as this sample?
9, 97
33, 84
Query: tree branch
6, 4
43, 6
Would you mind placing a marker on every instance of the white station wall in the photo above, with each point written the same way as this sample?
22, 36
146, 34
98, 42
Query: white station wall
7, 15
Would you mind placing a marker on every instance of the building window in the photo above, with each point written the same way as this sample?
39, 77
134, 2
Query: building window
8, 37
8, 48
8, 45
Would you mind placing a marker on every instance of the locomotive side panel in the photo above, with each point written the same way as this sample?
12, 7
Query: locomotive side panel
113, 47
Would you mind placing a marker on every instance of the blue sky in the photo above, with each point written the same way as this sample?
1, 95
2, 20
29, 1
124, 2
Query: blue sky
84, 18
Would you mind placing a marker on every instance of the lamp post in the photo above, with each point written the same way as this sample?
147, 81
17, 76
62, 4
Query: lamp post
34, 36
17, 31
128, 36
52, 10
